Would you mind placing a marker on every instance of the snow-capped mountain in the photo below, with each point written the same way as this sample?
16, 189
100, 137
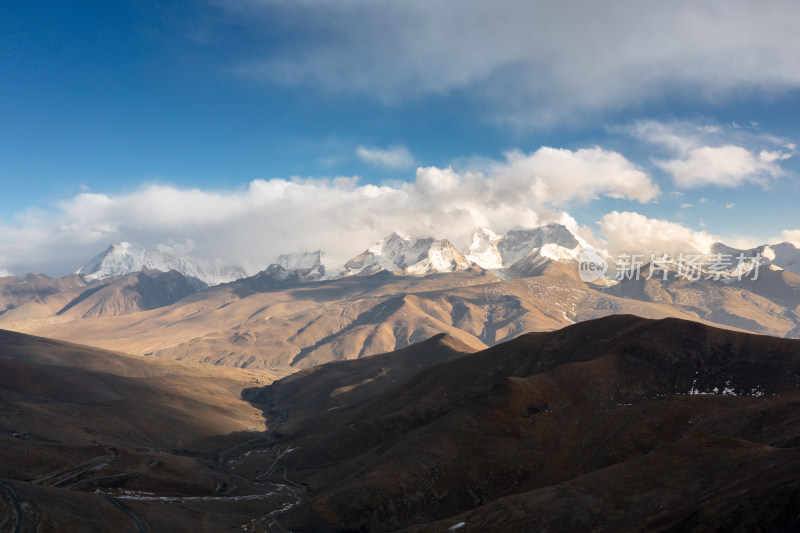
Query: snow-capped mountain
407, 255
551, 242
304, 260
535, 247
301, 267
125, 258
483, 249
784, 255
520, 242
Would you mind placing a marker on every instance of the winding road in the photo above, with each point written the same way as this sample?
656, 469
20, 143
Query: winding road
132, 473
127, 511
94, 465
17, 517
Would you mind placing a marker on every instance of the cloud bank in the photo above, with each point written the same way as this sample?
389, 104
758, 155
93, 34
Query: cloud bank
253, 225
532, 62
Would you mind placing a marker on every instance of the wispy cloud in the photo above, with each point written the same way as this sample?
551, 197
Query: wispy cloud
395, 157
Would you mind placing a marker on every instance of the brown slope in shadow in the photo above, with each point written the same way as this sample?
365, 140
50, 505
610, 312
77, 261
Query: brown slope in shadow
552, 408
342, 383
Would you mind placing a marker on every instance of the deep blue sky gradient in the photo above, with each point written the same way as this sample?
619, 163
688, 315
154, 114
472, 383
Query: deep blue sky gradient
105, 96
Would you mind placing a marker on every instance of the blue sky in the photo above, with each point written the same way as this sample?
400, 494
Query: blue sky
121, 120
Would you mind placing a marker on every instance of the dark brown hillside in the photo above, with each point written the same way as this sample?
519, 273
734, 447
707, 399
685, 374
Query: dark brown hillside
342, 383
616, 424
665, 404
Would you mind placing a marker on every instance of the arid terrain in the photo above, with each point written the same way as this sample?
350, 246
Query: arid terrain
614, 424
361, 266
83, 430
259, 323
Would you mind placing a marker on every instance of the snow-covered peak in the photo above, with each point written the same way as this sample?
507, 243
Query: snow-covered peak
553, 241
784, 255
483, 249
303, 267
300, 260
125, 258
397, 253
519, 242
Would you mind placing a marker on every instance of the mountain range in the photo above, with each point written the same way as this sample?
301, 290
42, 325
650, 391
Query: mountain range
303, 310
395, 253
401, 255
414, 387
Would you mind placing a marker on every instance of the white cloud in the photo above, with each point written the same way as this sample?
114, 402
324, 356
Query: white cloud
730, 206
767, 156
270, 217
792, 236
687, 205
724, 166
635, 233
394, 157
4, 273
556, 175
531, 61
706, 155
